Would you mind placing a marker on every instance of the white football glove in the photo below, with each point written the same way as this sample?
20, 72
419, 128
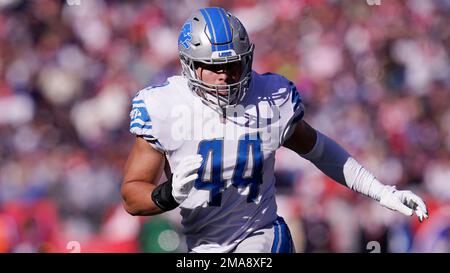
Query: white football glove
184, 176
405, 202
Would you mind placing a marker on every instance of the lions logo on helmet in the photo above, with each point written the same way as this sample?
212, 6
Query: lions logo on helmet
185, 35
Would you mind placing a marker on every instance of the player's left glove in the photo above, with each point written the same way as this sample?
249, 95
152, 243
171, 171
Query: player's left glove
405, 202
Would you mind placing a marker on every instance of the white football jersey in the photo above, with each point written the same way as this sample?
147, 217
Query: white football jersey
235, 192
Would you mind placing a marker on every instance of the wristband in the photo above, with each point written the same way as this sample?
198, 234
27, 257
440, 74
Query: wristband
162, 196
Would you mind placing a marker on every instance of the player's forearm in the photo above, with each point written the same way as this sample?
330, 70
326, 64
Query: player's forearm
137, 199
334, 161
337, 163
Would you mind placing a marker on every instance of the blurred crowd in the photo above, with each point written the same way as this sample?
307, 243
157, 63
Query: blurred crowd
376, 78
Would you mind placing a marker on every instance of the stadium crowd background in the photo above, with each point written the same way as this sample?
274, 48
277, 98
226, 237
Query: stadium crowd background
374, 77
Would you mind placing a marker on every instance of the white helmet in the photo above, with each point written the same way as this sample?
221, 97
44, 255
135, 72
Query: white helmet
214, 36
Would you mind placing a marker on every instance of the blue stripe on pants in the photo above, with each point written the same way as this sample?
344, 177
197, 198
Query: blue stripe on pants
282, 242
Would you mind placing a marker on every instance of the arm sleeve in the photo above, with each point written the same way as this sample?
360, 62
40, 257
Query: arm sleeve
336, 162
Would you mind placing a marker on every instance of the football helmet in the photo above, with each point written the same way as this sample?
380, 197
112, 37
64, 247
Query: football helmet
213, 36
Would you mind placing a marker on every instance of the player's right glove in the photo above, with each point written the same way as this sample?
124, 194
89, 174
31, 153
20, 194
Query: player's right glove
405, 202
184, 177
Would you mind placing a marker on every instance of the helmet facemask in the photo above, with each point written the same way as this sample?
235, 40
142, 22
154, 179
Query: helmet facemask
213, 94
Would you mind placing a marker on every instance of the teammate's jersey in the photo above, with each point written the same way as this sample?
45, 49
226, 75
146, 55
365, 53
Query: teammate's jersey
235, 192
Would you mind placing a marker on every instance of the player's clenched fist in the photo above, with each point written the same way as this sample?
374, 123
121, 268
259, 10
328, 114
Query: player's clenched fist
184, 176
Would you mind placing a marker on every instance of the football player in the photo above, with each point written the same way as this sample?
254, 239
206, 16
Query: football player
218, 126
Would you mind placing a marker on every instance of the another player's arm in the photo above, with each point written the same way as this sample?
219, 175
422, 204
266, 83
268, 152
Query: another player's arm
337, 163
143, 170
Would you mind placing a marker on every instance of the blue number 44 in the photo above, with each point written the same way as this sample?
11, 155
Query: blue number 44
247, 172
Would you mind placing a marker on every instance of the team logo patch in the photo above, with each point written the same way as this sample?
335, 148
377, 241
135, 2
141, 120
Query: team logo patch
135, 113
185, 35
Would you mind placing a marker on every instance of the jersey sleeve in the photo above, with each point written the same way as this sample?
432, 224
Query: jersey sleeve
292, 111
141, 123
